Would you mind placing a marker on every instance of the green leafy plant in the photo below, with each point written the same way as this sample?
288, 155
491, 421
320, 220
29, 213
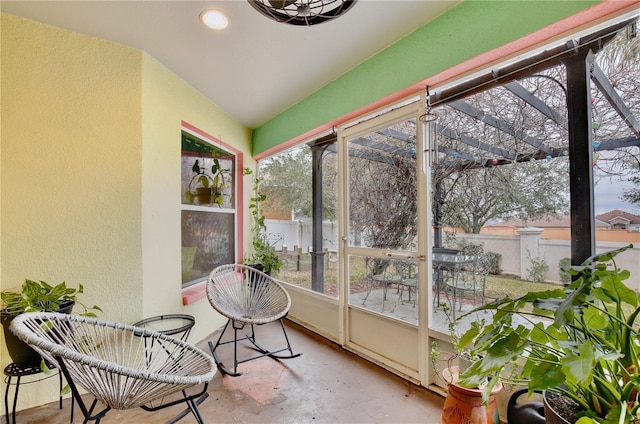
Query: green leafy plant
42, 297
263, 252
464, 355
580, 341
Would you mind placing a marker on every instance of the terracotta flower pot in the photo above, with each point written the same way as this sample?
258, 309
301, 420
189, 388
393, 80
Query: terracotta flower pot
465, 406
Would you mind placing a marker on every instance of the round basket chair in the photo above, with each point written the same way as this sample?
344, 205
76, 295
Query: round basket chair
247, 296
122, 366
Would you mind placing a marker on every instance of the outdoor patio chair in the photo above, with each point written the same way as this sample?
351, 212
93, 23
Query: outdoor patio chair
120, 365
409, 281
480, 272
380, 273
441, 272
247, 296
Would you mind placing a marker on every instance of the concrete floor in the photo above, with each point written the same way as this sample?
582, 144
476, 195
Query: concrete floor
325, 385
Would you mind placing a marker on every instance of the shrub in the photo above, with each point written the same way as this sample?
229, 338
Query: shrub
564, 263
497, 258
537, 270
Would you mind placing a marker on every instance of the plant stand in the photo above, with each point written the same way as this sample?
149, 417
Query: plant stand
12, 370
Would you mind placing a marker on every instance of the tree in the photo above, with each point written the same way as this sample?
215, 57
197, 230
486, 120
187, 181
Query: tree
474, 197
286, 180
485, 173
382, 201
620, 60
473, 191
633, 195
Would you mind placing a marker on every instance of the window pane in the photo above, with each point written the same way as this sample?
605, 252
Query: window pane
382, 188
286, 180
207, 174
207, 241
383, 285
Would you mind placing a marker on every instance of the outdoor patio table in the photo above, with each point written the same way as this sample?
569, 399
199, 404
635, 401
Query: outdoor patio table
451, 263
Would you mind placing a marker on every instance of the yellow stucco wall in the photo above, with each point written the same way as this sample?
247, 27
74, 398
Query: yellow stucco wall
90, 174
166, 100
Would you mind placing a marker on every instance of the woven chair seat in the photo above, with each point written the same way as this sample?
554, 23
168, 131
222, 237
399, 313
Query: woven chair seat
247, 295
115, 362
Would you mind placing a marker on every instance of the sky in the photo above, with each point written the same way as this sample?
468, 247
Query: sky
608, 190
607, 194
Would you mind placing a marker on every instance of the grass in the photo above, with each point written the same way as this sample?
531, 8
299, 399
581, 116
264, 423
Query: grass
498, 286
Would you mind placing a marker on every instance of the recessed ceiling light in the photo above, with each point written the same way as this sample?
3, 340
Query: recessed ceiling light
214, 19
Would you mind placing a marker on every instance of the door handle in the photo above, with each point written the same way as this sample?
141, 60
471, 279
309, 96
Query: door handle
406, 256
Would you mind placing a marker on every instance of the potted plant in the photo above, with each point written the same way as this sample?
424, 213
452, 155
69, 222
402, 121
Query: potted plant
463, 404
36, 297
580, 342
205, 188
264, 257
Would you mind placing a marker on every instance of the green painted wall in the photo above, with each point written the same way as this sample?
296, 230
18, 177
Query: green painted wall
465, 31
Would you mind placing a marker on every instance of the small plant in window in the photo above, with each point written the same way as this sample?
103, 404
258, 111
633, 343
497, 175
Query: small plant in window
206, 188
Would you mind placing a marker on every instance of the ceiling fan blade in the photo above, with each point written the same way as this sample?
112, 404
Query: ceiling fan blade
281, 4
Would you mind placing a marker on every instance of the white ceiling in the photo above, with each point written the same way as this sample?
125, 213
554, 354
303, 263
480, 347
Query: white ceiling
254, 69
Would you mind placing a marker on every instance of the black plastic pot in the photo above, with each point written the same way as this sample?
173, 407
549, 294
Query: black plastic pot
530, 412
552, 416
21, 353
260, 268
533, 411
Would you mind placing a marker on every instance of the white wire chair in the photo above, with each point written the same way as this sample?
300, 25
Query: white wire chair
122, 366
247, 296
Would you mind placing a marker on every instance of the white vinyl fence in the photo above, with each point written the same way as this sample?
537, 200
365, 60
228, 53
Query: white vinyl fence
298, 234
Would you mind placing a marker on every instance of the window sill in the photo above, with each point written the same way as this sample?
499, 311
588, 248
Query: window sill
193, 294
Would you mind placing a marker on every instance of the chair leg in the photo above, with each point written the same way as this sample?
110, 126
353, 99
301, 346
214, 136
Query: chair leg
252, 338
192, 404
195, 411
415, 295
369, 289
87, 413
219, 342
273, 354
292, 355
